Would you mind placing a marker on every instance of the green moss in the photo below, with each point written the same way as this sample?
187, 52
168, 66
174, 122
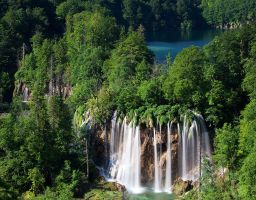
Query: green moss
103, 190
97, 194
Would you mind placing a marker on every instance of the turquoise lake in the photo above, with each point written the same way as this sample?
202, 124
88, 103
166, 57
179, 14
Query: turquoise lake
162, 43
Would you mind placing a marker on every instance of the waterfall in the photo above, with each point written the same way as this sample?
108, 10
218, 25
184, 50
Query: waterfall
184, 148
194, 144
106, 144
168, 175
124, 164
205, 136
160, 155
157, 183
113, 137
25, 95
125, 155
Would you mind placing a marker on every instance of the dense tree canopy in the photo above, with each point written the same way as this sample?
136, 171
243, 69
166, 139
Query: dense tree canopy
228, 12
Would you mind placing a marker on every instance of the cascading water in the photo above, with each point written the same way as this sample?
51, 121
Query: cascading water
125, 155
106, 144
195, 144
160, 155
205, 136
184, 148
168, 175
124, 164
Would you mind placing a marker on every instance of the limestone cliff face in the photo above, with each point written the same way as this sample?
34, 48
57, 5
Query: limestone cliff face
147, 156
23, 90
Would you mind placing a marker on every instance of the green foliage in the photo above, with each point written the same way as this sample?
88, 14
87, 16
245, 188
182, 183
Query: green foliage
226, 147
86, 74
60, 121
225, 73
208, 187
185, 82
163, 14
248, 128
64, 186
247, 179
37, 180
4, 84
150, 91
35, 144
19, 21
128, 65
103, 190
248, 82
88, 64
87, 51
221, 13
212, 186
100, 107
6, 193
101, 30
102, 194
71, 7
131, 56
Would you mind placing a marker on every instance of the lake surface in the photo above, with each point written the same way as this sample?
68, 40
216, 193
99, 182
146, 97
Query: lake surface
162, 43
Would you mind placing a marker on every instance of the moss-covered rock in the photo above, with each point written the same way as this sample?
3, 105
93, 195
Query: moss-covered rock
101, 194
103, 190
180, 187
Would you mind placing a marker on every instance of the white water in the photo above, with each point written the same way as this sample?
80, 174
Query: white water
113, 137
25, 95
157, 182
195, 144
168, 176
184, 148
125, 155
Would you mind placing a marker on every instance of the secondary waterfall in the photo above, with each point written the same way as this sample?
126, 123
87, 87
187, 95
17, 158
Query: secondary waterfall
124, 165
25, 95
194, 145
168, 175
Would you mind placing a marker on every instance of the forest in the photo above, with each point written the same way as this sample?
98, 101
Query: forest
60, 59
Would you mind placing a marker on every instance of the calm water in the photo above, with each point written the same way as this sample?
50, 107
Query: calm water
150, 195
162, 43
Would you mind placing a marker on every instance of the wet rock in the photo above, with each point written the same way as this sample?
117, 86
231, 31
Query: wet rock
147, 160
